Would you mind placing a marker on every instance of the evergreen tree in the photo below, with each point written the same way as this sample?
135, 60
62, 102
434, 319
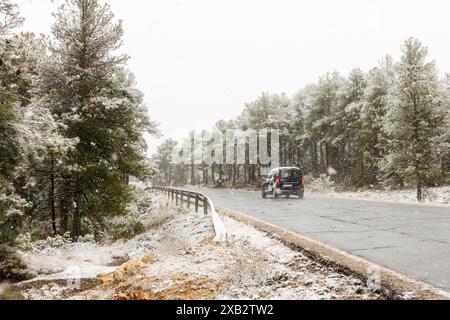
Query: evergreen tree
372, 138
163, 163
9, 17
414, 120
43, 146
348, 141
12, 79
95, 98
445, 141
322, 124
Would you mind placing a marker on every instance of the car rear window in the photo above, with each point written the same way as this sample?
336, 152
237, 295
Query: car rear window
291, 173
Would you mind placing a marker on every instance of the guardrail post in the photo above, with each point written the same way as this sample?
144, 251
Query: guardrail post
185, 196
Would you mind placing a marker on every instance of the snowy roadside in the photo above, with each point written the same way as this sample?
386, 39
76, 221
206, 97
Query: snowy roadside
439, 196
177, 258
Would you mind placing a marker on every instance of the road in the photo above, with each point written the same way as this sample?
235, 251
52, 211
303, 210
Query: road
410, 239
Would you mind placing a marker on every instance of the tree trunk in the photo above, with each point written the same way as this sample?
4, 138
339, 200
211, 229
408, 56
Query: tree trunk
63, 215
213, 174
193, 182
193, 175
314, 159
77, 213
419, 193
126, 178
52, 193
234, 175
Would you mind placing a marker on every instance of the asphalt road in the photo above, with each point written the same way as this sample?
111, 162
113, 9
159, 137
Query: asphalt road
411, 239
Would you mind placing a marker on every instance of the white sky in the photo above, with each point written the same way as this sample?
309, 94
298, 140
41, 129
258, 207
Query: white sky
199, 61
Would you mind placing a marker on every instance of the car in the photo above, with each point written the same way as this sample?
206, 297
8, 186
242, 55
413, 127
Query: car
285, 181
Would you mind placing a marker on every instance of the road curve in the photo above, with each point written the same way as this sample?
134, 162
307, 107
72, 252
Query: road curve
409, 239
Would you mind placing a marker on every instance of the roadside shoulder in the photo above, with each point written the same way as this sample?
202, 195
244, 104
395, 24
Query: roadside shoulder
393, 284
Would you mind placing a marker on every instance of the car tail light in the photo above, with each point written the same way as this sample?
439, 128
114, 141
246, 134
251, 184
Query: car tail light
302, 179
278, 181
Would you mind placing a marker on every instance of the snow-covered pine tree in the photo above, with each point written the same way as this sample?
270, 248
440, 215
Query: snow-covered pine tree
9, 108
296, 120
254, 116
95, 98
43, 147
163, 163
280, 118
11, 80
308, 142
445, 141
322, 126
346, 147
415, 120
9, 17
372, 137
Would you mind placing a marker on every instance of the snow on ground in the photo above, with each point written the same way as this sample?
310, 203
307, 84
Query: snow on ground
83, 260
433, 196
178, 258
3, 286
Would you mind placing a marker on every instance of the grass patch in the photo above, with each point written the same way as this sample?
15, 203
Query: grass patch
11, 293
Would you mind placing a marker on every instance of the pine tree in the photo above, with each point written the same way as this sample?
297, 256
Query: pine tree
10, 76
95, 98
414, 120
9, 17
163, 163
9, 109
43, 147
322, 125
445, 140
11, 80
348, 142
372, 137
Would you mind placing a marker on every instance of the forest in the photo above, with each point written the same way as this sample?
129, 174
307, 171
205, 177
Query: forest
72, 124
385, 128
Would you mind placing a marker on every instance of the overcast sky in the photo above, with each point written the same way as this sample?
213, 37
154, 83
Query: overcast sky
199, 61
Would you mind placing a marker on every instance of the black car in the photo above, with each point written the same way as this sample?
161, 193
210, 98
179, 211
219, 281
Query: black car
286, 181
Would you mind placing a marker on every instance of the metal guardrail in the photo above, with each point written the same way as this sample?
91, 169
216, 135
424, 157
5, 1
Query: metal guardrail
199, 200
182, 196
